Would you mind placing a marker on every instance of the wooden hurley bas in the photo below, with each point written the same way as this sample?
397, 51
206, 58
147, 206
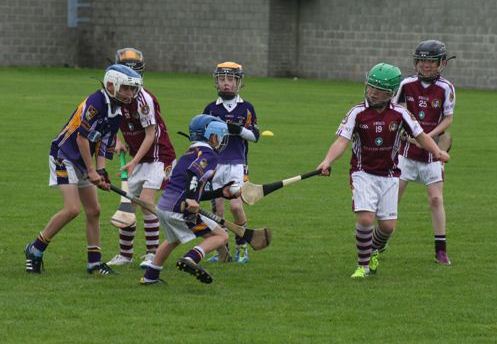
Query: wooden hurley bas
258, 239
252, 193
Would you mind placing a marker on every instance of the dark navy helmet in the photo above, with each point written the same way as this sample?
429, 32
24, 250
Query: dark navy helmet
431, 50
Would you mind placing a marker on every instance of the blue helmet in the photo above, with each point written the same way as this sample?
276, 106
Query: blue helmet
203, 126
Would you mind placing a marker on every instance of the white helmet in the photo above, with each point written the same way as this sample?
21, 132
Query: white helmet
119, 75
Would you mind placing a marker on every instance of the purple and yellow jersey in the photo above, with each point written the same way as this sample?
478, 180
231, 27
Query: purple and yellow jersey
243, 114
201, 160
97, 119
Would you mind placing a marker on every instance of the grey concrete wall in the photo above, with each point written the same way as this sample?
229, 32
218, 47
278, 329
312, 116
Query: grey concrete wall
283, 42
185, 36
34, 32
342, 39
329, 39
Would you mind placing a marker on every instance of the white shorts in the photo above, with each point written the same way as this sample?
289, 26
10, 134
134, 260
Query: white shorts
63, 172
375, 194
228, 173
148, 175
421, 172
177, 229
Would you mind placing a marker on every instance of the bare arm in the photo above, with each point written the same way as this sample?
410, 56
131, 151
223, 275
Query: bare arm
427, 143
144, 148
84, 150
100, 162
335, 151
441, 127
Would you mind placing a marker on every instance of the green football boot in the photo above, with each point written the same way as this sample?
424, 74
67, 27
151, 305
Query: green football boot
374, 262
360, 272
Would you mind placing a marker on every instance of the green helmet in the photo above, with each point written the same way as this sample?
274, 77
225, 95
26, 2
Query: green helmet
384, 77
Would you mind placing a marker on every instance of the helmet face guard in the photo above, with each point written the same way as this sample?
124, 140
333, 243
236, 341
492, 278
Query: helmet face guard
202, 127
432, 51
377, 98
383, 77
218, 129
132, 58
231, 71
126, 83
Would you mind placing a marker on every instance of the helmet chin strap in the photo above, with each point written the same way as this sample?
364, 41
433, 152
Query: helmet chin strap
116, 100
428, 79
123, 99
226, 95
377, 105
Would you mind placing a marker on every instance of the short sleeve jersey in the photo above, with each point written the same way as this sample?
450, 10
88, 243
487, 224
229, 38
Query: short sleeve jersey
96, 118
243, 114
145, 111
201, 160
376, 137
429, 105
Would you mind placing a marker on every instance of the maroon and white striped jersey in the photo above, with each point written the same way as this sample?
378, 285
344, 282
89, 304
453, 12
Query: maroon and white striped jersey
376, 137
141, 113
429, 103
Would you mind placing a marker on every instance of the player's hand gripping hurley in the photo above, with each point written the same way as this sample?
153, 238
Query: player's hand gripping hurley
252, 193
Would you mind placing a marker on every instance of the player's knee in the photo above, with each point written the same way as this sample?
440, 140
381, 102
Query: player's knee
365, 219
223, 235
220, 212
237, 208
72, 211
93, 212
388, 228
436, 202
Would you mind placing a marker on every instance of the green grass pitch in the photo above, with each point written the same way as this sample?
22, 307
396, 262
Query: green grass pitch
296, 291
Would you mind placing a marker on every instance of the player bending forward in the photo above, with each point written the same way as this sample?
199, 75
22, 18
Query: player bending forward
179, 204
147, 141
89, 134
374, 128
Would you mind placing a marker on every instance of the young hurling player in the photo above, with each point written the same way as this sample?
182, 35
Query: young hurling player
240, 116
374, 128
431, 99
147, 141
89, 134
179, 204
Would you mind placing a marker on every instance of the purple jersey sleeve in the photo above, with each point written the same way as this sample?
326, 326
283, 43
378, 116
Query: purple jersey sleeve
200, 160
90, 115
96, 120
